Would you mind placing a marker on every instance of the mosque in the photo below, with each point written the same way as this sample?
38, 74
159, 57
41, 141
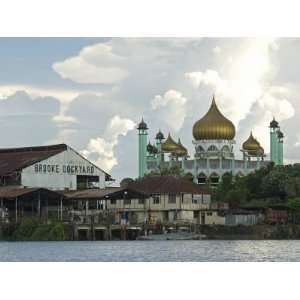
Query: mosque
214, 150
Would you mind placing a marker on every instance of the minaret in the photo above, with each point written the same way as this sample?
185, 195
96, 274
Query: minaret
280, 137
274, 141
142, 132
160, 155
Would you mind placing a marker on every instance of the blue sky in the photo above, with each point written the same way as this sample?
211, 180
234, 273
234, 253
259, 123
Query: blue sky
91, 92
29, 60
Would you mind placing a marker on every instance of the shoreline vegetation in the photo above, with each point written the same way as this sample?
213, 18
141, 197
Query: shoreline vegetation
31, 230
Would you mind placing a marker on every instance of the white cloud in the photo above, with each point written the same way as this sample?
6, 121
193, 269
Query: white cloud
80, 71
101, 150
113, 61
171, 107
64, 96
94, 64
243, 87
217, 50
267, 107
243, 81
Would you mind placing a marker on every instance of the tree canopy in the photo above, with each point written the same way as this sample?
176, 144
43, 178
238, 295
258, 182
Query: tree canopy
278, 183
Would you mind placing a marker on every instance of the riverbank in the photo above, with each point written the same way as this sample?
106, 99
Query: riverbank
254, 232
31, 230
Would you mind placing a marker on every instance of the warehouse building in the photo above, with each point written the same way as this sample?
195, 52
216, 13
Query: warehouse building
56, 167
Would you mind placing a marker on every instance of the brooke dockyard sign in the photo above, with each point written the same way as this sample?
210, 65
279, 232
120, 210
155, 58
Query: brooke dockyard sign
68, 169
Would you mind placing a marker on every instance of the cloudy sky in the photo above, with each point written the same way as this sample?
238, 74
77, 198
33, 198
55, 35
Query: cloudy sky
91, 92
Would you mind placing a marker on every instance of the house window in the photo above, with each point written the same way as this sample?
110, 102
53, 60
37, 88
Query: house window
172, 198
141, 201
196, 214
127, 201
209, 213
113, 202
194, 199
156, 199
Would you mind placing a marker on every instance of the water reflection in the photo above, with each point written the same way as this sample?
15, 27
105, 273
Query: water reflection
151, 251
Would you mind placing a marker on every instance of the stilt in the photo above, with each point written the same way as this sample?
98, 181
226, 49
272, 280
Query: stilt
16, 204
39, 204
2, 210
61, 209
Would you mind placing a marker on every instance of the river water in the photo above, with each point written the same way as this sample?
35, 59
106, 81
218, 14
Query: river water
156, 251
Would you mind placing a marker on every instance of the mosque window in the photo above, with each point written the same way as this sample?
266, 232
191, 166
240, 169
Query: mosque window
214, 179
212, 148
200, 149
201, 178
225, 148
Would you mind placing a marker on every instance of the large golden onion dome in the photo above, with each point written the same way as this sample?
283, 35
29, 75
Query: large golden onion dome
183, 151
252, 146
169, 145
213, 126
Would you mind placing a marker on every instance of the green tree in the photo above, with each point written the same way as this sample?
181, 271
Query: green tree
237, 196
294, 207
274, 184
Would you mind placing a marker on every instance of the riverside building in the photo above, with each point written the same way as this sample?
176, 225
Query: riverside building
214, 150
56, 167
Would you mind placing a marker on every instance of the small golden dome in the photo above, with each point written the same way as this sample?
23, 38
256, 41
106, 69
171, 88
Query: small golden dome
183, 151
252, 146
169, 145
213, 126
261, 150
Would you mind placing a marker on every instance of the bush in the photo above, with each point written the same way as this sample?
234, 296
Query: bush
31, 230
25, 230
57, 233
41, 233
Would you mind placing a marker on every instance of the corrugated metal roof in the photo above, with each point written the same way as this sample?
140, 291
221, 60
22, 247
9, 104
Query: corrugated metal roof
107, 193
166, 185
89, 193
18, 191
15, 159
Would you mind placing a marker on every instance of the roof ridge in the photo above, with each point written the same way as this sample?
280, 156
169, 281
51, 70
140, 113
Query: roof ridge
34, 148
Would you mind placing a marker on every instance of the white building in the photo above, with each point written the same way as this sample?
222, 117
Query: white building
56, 167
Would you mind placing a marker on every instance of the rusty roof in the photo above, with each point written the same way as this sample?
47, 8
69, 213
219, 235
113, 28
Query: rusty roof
10, 192
107, 193
15, 159
166, 185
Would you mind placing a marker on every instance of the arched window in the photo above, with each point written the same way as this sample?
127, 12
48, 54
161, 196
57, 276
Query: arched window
225, 148
201, 178
212, 148
200, 149
214, 179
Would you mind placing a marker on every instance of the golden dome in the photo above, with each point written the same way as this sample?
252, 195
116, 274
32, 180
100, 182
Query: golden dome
261, 150
252, 146
169, 145
182, 151
213, 126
